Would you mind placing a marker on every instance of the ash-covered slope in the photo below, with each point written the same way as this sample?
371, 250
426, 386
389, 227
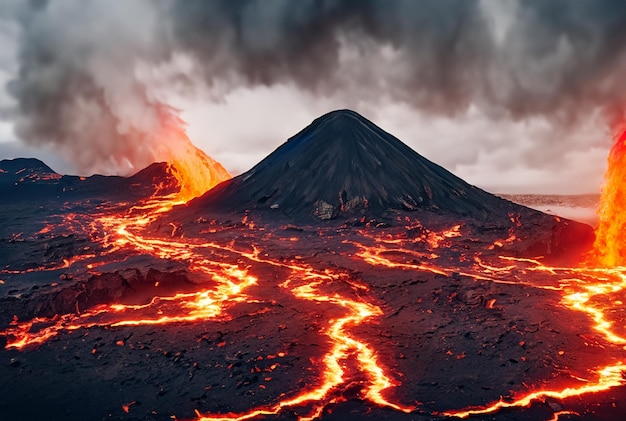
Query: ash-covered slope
343, 163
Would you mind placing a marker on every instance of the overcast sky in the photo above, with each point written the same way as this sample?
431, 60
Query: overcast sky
512, 96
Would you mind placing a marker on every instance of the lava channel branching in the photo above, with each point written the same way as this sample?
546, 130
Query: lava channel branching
582, 290
588, 290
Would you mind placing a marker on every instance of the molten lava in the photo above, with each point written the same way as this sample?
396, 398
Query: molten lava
609, 247
196, 172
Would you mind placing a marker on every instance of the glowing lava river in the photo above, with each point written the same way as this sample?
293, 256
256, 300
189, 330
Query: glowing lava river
332, 322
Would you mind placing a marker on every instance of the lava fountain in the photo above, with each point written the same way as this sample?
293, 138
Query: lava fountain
609, 249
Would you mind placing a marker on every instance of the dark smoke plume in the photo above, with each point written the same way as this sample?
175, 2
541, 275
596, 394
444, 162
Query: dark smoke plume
79, 88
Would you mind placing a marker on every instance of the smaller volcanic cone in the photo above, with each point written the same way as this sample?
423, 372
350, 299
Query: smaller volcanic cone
25, 170
609, 248
195, 171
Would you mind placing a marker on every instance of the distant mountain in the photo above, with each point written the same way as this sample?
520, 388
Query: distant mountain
21, 170
31, 179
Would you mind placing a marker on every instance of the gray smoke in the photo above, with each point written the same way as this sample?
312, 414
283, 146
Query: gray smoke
79, 89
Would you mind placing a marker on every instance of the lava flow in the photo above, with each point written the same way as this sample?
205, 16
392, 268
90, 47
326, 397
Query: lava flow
305, 283
587, 290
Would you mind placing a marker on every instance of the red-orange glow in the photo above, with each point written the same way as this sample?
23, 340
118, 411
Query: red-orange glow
587, 290
344, 346
557, 415
579, 299
192, 307
126, 406
435, 239
609, 247
196, 172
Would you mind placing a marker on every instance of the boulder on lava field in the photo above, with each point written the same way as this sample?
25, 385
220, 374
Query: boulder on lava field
343, 166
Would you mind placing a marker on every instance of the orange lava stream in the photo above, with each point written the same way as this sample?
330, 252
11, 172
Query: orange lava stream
344, 348
557, 415
193, 307
608, 377
198, 306
209, 304
580, 300
375, 255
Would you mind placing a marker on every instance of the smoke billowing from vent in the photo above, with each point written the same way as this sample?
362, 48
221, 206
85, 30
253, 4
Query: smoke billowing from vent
85, 68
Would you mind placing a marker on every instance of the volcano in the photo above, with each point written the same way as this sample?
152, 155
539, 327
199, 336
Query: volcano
343, 167
343, 164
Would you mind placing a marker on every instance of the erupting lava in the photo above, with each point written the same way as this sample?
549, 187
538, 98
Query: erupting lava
609, 247
195, 171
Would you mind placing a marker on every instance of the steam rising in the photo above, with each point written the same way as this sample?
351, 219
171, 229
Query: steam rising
79, 87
